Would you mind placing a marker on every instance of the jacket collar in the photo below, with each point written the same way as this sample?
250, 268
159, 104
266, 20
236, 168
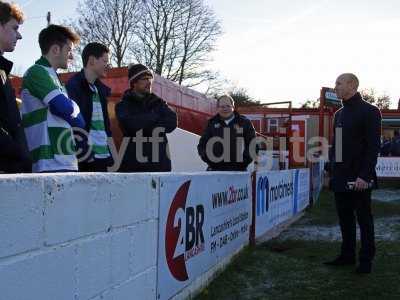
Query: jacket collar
218, 118
5, 65
353, 100
43, 62
132, 96
98, 83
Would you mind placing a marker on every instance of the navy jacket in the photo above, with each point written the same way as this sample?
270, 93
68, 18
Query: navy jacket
78, 90
360, 125
14, 154
140, 116
239, 127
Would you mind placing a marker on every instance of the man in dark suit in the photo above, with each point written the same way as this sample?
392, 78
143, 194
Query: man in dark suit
353, 157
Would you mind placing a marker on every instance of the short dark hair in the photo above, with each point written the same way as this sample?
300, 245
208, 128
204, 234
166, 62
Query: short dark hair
56, 35
9, 11
93, 49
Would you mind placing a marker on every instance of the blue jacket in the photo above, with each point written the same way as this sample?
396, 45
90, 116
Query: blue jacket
78, 90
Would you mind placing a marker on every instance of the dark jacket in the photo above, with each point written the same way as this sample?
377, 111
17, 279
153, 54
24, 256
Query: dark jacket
78, 90
215, 128
139, 116
360, 125
395, 146
14, 154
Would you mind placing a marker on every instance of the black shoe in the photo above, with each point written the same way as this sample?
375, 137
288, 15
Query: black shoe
364, 267
341, 261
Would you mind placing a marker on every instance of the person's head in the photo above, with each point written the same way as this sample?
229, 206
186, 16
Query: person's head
11, 16
346, 86
95, 57
225, 106
140, 78
56, 43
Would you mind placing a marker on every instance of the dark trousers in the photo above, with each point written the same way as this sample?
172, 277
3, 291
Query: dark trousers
349, 206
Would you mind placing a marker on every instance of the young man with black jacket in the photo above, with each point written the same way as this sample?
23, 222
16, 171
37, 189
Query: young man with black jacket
14, 154
353, 157
145, 119
87, 90
225, 143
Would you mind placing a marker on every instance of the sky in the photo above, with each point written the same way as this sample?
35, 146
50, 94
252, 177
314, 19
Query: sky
278, 50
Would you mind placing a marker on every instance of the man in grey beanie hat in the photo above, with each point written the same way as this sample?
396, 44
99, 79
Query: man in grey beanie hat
145, 119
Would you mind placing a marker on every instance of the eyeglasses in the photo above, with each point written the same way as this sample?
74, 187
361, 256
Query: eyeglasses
225, 106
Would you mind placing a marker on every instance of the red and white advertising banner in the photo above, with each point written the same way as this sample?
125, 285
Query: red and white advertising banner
203, 219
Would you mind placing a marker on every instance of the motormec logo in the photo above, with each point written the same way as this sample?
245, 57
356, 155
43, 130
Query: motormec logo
267, 194
184, 238
262, 196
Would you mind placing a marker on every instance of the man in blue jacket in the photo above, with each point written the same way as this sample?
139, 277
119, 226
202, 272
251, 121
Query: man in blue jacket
91, 95
145, 119
14, 155
353, 157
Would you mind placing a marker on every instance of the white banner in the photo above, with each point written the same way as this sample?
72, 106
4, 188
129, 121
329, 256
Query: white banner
388, 167
274, 199
301, 198
203, 219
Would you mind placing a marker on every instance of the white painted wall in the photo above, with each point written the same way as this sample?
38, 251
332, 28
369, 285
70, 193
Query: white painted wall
84, 236
92, 236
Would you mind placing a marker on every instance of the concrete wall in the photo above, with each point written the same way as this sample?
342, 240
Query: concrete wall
84, 237
74, 237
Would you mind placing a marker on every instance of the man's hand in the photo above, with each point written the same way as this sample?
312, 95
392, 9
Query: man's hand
360, 184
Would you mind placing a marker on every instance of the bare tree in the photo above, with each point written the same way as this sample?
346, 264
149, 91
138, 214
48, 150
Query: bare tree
111, 22
381, 101
175, 38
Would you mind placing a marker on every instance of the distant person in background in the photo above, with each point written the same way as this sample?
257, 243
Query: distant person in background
145, 119
357, 128
386, 145
14, 154
48, 115
87, 90
238, 132
395, 144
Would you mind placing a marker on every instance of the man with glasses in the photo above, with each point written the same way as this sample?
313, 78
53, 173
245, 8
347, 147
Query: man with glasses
225, 143
144, 119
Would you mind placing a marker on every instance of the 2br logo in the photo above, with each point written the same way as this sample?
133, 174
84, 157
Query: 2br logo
184, 238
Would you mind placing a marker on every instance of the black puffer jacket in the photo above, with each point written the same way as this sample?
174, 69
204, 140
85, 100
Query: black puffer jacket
237, 157
139, 116
360, 125
14, 155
